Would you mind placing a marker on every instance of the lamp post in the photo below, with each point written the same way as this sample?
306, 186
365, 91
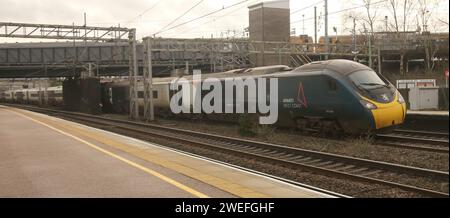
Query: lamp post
303, 16
354, 37
386, 22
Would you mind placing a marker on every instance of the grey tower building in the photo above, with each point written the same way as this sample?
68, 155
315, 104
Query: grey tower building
270, 22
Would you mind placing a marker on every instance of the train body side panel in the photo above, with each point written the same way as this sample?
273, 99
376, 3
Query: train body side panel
321, 97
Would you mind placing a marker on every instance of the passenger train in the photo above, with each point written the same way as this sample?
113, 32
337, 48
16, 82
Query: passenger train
34, 96
334, 95
327, 96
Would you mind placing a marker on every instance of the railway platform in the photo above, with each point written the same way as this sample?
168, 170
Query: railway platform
43, 156
428, 113
427, 120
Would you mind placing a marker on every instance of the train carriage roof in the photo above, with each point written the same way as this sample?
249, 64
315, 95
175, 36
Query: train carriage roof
343, 67
244, 72
232, 73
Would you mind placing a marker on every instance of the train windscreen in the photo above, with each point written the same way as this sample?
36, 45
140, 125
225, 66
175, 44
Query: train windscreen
371, 85
367, 79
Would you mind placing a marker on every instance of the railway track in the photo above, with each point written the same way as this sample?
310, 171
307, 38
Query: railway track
355, 169
443, 136
416, 140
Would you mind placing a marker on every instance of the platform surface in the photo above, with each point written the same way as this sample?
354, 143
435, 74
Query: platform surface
428, 113
43, 156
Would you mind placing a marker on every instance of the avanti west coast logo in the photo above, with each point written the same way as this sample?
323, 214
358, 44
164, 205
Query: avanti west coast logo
207, 96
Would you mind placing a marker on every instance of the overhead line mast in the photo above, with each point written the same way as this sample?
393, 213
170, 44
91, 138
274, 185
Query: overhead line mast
327, 50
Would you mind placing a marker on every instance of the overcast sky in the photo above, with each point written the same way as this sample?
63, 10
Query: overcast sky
149, 16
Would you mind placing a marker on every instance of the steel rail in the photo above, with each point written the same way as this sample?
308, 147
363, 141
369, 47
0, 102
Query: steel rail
314, 161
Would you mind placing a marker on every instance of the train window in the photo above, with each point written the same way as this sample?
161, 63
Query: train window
366, 79
332, 86
155, 94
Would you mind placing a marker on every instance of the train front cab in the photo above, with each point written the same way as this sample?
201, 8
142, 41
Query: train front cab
384, 104
387, 115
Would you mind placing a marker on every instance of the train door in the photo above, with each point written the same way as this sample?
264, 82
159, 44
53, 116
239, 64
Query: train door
333, 98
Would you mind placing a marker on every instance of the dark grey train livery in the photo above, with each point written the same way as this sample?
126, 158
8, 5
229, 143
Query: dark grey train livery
328, 96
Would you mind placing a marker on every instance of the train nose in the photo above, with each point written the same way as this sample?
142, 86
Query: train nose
389, 116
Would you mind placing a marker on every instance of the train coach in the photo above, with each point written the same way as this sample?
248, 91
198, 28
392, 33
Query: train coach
328, 96
34, 96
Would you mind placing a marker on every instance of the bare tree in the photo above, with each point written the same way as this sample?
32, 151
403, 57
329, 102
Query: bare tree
400, 11
408, 7
371, 14
393, 6
425, 11
361, 19
443, 21
406, 19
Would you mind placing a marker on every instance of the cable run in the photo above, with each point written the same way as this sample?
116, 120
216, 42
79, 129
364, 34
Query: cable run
301, 9
205, 15
144, 12
176, 19
217, 18
336, 12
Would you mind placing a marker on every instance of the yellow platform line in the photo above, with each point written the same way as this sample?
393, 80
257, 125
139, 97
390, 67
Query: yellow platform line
131, 163
148, 155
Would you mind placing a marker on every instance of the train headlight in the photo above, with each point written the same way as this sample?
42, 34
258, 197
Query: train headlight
368, 105
401, 100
